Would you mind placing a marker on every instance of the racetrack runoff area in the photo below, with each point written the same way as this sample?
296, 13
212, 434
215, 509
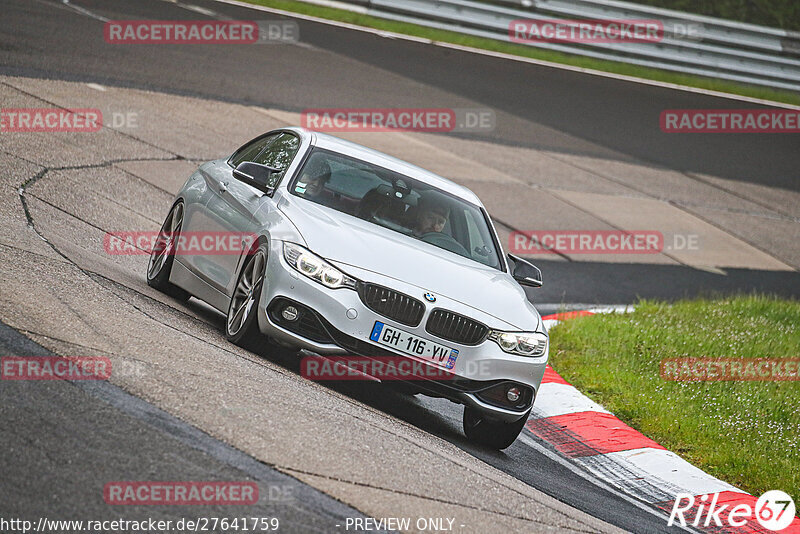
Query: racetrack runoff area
77, 186
73, 298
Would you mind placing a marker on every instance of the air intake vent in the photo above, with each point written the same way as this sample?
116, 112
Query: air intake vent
391, 304
454, 327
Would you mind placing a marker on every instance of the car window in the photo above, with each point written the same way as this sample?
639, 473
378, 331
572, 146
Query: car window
481, 244
397, 202
279, 154
348, 181
252, 149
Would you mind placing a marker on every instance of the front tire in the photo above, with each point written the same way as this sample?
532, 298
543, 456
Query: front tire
241, 323
163, 255
494, 434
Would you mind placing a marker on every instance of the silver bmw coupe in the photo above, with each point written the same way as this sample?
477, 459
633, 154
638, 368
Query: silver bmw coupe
354, 254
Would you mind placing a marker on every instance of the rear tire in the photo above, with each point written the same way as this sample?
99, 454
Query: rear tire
163, 255
241, 323
494, 434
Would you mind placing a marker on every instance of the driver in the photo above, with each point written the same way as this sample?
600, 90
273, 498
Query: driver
432, 213
313, 180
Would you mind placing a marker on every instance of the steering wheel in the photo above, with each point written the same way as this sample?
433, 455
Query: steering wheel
442, 240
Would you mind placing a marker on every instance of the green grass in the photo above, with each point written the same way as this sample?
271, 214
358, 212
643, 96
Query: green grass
531, 52
783, 14
746, 433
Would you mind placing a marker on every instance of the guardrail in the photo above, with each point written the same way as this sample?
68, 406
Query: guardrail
691, 44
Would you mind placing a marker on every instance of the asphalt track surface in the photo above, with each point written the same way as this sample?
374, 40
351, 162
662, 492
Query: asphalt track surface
97, 432
541, 107
535, 106
597, 116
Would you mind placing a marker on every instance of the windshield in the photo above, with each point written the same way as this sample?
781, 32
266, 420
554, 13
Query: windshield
397, 202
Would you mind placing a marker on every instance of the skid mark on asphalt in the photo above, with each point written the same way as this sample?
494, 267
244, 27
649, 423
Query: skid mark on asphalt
426, 497
97, 277
260, 361
566, 442
118, 290
155, 310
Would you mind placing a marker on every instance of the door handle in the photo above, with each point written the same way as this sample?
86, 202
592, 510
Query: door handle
223, 187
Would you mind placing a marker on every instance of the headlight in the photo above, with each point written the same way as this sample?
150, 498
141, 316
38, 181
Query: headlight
316, 268
532, 344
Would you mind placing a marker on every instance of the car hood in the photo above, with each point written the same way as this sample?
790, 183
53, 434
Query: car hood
349, 241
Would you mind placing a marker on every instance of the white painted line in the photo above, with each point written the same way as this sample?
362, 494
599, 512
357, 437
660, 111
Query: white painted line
84, 11
198, 9
622, 308
511, 57
560, 399
663, 465
338, 5
631, 469
619, 308
709, 269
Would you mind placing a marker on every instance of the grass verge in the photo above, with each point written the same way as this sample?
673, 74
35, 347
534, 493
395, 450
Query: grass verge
783, 14
746, 433
433, 34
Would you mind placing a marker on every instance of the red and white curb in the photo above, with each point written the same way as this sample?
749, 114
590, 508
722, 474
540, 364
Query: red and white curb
555, 318
588, 435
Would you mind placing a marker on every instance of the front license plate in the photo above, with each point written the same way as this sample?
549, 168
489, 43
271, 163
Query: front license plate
407, 343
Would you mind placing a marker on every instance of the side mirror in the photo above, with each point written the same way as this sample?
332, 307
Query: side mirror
256, 175
524, 272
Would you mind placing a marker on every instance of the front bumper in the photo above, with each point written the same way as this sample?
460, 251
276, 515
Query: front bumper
344, 324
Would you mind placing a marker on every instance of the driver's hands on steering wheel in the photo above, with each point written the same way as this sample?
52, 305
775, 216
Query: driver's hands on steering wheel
445, 241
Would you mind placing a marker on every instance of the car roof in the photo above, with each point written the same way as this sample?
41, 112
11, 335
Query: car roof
337, 144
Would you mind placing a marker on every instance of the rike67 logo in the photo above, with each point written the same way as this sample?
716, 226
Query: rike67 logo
774, 511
